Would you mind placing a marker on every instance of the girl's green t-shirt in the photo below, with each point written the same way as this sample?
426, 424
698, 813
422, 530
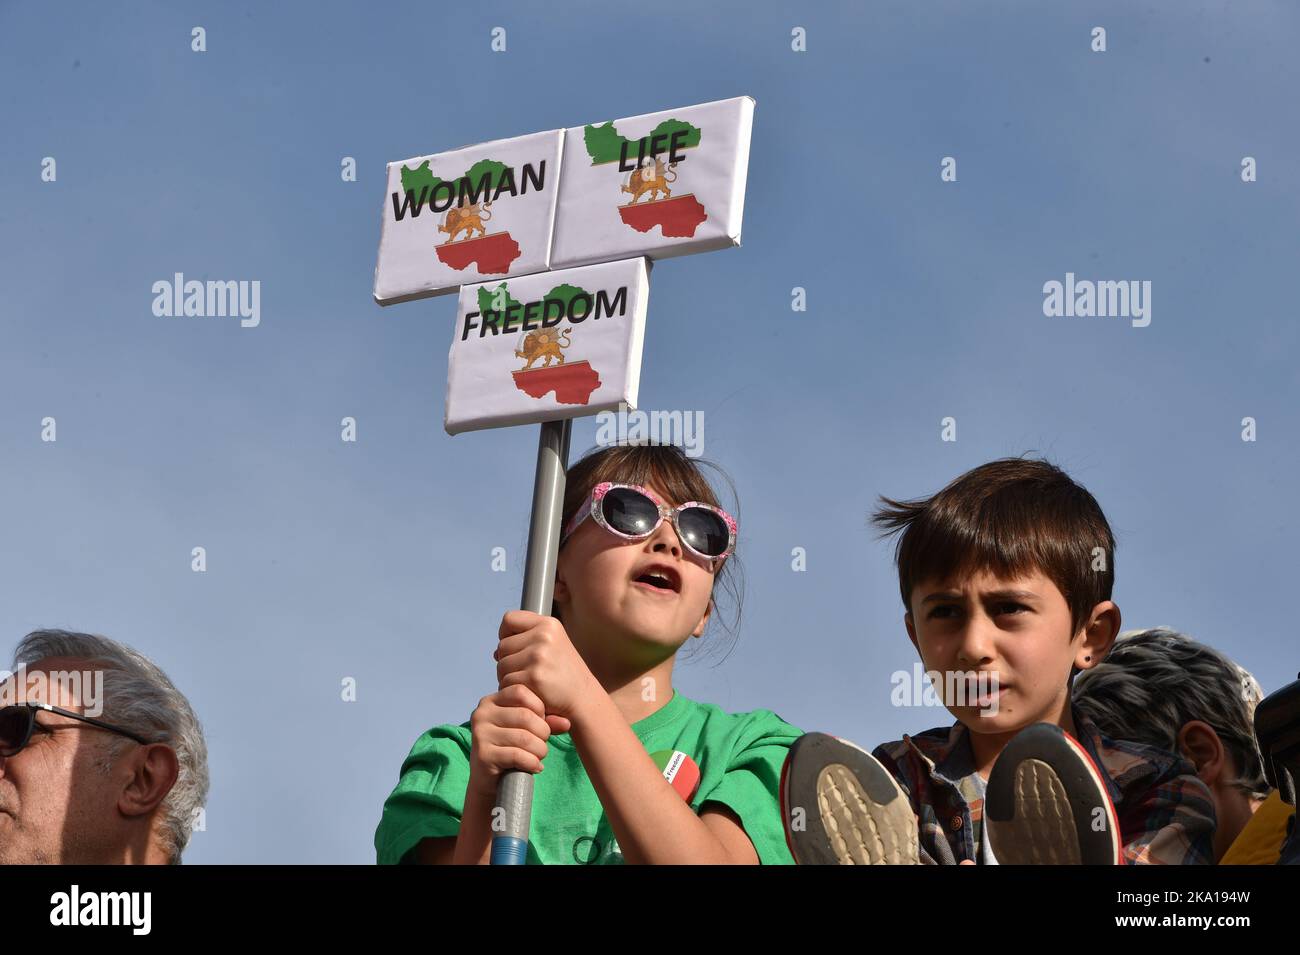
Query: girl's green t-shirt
740, 756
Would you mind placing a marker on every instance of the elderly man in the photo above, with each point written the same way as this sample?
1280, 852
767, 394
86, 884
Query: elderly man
101, 758
1161, 687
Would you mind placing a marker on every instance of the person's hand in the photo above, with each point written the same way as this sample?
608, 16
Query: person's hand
536, 651
508, 730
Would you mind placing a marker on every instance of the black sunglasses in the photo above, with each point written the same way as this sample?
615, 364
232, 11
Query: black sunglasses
18, 721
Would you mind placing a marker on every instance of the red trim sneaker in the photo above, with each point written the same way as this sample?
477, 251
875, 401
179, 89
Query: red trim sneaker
840, 806
1047, 803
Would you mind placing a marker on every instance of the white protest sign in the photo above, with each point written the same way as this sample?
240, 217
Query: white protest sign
547, 346
662, 184
466, 215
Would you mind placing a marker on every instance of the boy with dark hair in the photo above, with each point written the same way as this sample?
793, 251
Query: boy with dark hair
1006, 577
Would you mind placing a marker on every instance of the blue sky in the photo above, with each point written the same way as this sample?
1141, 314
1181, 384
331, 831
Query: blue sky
373, 560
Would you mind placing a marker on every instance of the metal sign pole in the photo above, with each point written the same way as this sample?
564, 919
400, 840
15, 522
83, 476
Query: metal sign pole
513, 811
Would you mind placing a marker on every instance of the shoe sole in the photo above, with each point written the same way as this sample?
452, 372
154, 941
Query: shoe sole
853, 811
1044, 797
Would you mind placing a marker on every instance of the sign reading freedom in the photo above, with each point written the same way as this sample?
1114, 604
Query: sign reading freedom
547, 346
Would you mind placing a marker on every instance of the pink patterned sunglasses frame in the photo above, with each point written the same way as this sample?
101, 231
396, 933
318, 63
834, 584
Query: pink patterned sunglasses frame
591, 508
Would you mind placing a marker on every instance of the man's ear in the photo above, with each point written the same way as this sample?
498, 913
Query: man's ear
911, 630
1098, 635
153, 769
1201, 744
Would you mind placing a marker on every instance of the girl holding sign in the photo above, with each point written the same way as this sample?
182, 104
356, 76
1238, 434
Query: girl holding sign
627, 768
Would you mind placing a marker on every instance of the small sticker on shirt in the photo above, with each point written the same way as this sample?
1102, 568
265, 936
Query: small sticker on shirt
680, 770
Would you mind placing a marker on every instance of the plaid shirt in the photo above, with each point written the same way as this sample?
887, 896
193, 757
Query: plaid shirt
1165, 812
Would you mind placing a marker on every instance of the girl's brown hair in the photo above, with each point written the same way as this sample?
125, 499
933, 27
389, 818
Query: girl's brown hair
681, 478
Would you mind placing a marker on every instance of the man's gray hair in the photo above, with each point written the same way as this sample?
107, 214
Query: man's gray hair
1153, 682
139, 697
